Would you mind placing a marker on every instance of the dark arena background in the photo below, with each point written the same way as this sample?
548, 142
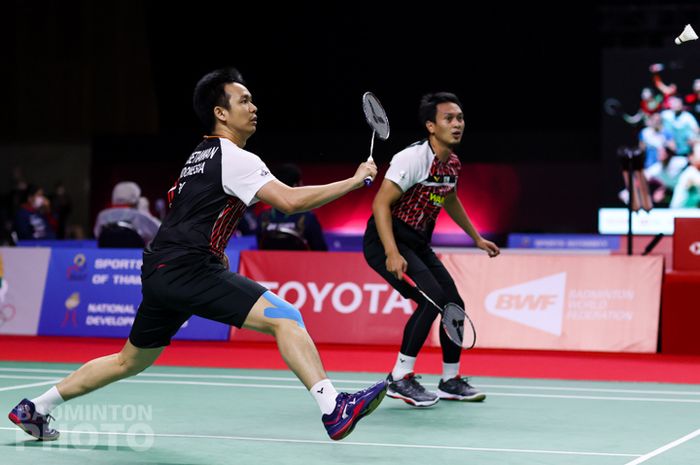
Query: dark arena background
586, 346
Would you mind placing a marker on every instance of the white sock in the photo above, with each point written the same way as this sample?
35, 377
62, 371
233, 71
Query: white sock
325, 395
449, 370
48, 401
404, 365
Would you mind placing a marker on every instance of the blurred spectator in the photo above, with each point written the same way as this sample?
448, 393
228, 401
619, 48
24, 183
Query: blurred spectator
693, 100
687, 191
144, 206
649, 105
654, 138
667, 90
160, 209
123, 225
17, 192
681, 124
300, 231
248, 225
33, 219
61, 207
663, 176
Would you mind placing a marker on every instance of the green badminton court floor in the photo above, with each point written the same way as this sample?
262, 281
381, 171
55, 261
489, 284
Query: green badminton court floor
178, 416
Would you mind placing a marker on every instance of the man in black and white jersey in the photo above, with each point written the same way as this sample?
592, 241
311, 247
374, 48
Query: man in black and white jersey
185, 270
422, 180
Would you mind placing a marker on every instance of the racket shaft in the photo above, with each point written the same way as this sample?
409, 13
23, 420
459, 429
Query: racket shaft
429, 299
368, 179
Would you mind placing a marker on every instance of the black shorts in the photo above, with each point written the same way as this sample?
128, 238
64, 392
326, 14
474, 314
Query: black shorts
195, 284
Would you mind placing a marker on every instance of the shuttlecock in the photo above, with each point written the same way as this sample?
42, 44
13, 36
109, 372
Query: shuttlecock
687, 35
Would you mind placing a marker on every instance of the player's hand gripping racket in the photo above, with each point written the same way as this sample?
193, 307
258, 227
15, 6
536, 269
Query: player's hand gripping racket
454, 320
377, 120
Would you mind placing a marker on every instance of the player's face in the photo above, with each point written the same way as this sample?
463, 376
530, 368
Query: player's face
449, 124
241, 115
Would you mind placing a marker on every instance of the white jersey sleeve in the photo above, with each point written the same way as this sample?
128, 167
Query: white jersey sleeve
242, 173
410, 166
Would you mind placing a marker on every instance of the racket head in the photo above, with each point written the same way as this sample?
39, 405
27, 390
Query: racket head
458, 326
375, 115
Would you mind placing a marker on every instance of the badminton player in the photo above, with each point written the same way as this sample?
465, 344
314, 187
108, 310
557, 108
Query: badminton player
422, 180
185, 271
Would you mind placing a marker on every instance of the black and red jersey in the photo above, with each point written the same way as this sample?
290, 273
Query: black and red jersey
217, 183
425, 182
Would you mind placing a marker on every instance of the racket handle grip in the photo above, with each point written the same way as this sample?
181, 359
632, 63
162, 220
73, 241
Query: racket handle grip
368, 180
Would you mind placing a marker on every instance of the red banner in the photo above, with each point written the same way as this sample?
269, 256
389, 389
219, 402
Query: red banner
342, 300
522, 302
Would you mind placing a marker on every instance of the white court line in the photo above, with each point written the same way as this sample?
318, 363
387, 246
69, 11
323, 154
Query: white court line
562, 396
587, 389
208, 383
299, 386
25, 377
502, 394
35, 370
175, 375
348, 443
293, 379
21, 386
663, 449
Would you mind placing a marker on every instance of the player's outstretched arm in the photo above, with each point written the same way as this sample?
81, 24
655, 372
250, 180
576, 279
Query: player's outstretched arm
299, 199
453, 206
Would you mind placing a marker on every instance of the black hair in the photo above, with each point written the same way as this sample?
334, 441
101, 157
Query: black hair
209, 93
429, 102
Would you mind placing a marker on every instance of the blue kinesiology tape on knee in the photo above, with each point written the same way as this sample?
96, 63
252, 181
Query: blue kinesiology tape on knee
282, 309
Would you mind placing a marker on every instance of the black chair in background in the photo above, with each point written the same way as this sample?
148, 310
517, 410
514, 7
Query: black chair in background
276, 237
120, 235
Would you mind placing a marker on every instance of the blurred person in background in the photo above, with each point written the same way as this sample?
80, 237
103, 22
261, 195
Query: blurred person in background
61, 206
144, 206
687, 191
654, 138
681, 124
298, 231
33, 219
663, 175
124, 216
692, 100
667, 90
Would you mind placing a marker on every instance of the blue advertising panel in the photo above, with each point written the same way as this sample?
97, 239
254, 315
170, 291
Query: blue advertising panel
563, 241
96, 292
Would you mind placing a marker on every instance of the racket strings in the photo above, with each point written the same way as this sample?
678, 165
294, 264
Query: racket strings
458, 326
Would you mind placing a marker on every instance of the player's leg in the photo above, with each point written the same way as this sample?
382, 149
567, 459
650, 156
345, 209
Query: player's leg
34, 415
403, 384
451, 386
274, 316
236, 300
152, 330
100, 372
340, 411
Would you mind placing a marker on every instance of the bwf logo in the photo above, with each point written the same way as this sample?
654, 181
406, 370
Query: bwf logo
538, 304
